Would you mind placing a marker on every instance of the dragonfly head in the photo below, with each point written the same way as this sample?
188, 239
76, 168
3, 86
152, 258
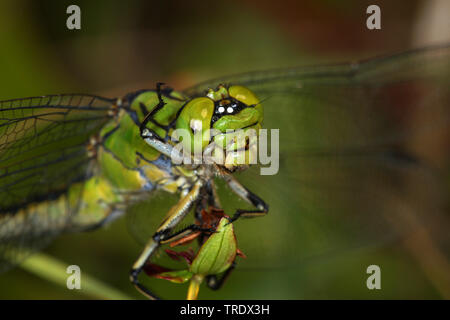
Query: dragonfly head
224, 124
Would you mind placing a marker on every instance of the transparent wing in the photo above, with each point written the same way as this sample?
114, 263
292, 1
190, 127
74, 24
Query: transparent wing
363, 158
42, 152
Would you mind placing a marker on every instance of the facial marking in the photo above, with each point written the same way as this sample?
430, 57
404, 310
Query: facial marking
196, 125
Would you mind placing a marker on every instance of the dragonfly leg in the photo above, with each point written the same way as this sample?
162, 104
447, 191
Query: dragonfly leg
149, 135
176, 214
186, 232
215, 283
261, 207
150, 116
215, 197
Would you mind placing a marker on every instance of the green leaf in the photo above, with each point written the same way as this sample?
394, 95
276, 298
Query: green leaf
179, 276
217, 253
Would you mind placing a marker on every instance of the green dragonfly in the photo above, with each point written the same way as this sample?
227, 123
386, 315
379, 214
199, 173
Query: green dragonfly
348, 161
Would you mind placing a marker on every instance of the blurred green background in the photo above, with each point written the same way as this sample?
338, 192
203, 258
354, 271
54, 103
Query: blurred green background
129, 45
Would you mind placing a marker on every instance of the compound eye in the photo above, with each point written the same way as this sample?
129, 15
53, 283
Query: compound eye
244, 95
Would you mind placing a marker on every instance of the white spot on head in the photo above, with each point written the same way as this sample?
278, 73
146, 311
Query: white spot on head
196, 125
221, 109
230, 110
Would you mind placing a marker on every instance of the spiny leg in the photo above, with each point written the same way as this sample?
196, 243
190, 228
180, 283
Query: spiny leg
185, 232
150, 136
261, 207
176, 214
214, 197
150, 116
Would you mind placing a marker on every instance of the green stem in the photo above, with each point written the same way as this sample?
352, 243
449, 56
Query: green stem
194, 287
53, 270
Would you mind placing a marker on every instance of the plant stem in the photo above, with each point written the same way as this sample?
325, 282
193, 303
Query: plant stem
194, 287
53, 270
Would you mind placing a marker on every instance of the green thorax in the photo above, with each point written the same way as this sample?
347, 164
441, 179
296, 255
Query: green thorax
127, 140
125, 159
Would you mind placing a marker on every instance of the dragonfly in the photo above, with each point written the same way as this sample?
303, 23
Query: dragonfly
348, 157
